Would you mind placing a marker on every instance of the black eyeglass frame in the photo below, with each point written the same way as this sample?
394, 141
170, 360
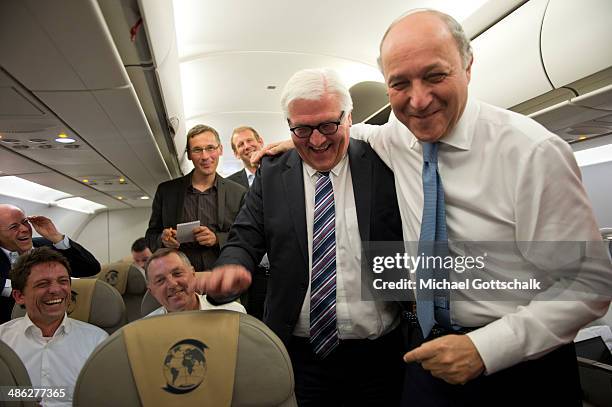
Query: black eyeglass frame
317, 127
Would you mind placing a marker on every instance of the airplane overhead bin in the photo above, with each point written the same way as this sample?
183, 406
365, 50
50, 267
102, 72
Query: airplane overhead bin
550, 59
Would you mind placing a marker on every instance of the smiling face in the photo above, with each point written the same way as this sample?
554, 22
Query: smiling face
245, 143
168, 280
319, 151
426, 80
15, 230
205, 162
46, 294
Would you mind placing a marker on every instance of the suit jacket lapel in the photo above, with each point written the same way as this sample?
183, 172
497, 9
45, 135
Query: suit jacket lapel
293, 181
5, 266
245, 180
361, 174
180, 197
221, 192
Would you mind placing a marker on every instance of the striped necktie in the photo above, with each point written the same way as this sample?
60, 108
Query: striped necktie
433, 241
323, 329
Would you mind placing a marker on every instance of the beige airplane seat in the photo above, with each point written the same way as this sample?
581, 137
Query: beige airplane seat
13, 374
129, 281
93, 301
150, 304
214, 358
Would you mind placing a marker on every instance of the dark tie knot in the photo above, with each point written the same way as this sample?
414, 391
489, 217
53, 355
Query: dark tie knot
324, 173
430, 152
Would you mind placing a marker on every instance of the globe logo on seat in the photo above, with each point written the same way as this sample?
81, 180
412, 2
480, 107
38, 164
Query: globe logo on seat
111, 277
185, 366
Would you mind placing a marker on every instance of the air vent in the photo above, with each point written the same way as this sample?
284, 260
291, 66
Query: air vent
21, 147
10, 140
45, 147
37, 140
72, 146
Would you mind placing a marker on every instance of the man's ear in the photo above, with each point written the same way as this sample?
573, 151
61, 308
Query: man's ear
19, 297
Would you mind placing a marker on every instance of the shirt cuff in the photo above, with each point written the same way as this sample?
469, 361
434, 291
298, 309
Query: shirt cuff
63, 244
497, 345
7, 289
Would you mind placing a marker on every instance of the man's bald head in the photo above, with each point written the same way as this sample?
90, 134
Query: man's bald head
15, 229
454, 29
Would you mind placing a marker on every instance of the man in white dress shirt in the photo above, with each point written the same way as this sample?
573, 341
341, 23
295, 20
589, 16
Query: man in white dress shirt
171, 280
52, 346
505, 178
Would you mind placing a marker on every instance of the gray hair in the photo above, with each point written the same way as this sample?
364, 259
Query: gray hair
455, 29
313, 84
163, 252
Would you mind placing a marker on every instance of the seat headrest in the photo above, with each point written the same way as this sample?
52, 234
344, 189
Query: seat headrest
93, 301
124, 276
13, 374
188, 362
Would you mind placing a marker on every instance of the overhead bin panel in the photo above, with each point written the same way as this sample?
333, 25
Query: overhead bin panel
507, 68
576, 39
159, 25
58, 45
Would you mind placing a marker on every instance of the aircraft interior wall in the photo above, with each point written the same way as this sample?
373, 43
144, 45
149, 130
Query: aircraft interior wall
597, 181
109, 235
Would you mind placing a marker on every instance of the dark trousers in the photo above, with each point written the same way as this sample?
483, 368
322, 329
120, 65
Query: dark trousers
357, 373
254, 299
551, 380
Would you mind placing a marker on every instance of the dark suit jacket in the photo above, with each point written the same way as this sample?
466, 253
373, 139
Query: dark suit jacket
273, 220
82, 264
167, 210
240, 177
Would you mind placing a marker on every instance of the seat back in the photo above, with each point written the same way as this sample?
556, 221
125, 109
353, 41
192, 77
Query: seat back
13, 374
93, 301
129, 281
262, 374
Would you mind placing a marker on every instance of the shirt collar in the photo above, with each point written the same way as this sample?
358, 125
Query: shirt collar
336, 170
192, 189
7, 252
199, 296
28, 326
462, 134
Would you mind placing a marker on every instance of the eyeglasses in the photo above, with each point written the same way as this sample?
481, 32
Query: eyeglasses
200, 150
326, 128
13, 227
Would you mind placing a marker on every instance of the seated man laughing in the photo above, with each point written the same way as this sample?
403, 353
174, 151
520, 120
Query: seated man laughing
171, 281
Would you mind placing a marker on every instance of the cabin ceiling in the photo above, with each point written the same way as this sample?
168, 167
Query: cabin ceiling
74, 67
232, 52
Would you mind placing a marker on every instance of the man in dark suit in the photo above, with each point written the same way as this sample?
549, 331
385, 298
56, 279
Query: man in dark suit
245, 141
16, 239
200, 195
328, 196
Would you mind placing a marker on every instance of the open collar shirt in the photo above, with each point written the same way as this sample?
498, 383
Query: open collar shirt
55, 361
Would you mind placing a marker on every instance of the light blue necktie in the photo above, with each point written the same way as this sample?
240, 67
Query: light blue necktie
432, 242
323, 326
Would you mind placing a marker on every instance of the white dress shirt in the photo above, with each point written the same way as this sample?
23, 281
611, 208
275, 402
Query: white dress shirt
63, 244
56, 361
505, 178
250, 176
356, 319
204, 306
